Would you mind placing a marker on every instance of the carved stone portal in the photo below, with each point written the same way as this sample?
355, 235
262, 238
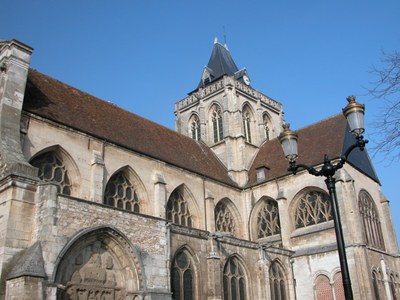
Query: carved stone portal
97, 269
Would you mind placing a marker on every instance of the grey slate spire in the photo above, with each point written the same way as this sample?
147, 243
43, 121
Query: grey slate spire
221, 63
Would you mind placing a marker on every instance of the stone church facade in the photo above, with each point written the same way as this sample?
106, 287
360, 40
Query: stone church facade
99, 203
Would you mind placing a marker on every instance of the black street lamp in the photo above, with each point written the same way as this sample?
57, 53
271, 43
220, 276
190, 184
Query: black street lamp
354, 113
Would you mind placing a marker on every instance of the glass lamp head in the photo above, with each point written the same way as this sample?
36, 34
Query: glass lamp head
288, 140
354, 113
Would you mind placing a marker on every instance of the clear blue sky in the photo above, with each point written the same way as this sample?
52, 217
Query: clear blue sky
146, 55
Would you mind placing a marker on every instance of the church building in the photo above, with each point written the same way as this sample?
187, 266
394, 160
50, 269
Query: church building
97, 202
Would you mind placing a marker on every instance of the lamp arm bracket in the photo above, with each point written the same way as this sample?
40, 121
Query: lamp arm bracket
360, 143
294, 168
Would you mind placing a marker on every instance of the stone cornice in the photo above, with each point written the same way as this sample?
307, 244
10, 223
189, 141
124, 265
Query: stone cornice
219, 85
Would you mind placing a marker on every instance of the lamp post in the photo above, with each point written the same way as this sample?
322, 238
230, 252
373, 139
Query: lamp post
354, 113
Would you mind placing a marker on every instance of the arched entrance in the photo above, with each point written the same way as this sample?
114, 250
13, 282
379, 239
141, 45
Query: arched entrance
99, 264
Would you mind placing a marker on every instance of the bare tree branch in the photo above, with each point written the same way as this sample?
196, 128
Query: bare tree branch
386, 131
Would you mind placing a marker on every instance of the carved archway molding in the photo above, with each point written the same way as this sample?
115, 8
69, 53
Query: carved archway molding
101, 263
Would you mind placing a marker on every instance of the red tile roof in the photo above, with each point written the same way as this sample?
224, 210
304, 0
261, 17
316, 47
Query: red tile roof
61, 103
316, 140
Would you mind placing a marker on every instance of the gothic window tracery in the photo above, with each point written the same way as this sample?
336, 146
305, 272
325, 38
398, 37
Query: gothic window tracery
121, 193
224, 220
268, 219
371, 221
178, 209
195, 127
182, 277
277, 282
216, 121
234, 280
246, 124
52, 169
313, 207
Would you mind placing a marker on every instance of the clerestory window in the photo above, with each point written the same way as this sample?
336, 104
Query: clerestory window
313, 207
268, 219
121, 193
224, 220
178, 209
52, 169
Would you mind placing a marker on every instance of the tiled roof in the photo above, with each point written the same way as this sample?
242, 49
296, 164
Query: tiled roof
331, 137
61, 103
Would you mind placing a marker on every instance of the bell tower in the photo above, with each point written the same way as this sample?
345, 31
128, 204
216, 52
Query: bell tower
228, 114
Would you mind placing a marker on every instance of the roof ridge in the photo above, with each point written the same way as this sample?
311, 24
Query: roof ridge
107, 102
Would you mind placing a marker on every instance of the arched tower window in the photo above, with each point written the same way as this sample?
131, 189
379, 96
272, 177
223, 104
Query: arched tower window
121, 193
182, 276
277, 282
216, 121
234, 280
178, 209
194, 125
224, 220
371, 221
313, 207
267, 127
268, 219
52, 169
247, 124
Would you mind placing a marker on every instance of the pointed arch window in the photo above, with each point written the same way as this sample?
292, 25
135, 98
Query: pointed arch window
371, 221
247, 124
52, 169
182, 277
313, 207
234, 280
195, 128
224, 220
268, 219
216, 121
121, 193
277, 282
178, 209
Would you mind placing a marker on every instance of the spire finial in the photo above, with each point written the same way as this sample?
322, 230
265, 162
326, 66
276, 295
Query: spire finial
225, 44
215, 40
